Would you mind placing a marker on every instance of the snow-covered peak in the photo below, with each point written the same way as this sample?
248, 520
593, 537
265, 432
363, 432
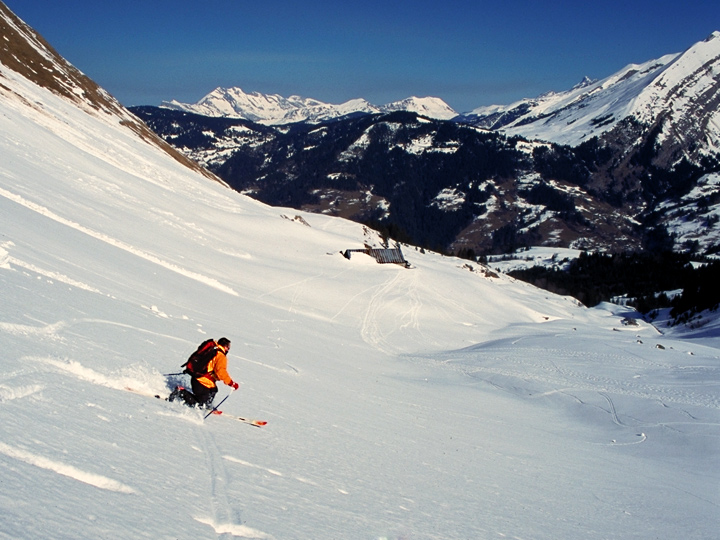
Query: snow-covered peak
677, 86
233, 102
587, 81
713, 36
431, 107
569, 117
273, 109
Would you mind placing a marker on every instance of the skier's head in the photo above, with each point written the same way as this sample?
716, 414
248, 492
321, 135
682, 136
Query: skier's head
224, 343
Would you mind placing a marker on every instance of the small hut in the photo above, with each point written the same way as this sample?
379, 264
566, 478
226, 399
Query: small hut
382, 256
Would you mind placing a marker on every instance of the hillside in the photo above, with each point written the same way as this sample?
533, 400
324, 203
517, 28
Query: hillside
628, 163
27, 54
440, 401
676, 96
457, 188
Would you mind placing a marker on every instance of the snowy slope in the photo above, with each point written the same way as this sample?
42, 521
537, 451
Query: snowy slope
273, 109
682, 87
691, 218
588, 109
435, 402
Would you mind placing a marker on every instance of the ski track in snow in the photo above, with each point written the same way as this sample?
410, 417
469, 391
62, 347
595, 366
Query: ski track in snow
371, 329
291, 371
298, 288
220, 507
247, 464
8, 393
613, 411
116, 243
526, 364
223, 514
524, 371
411, 318
232, 529
53, 276
49, 330
64, 469
272, 472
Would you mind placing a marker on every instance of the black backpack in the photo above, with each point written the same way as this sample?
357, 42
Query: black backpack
196, 365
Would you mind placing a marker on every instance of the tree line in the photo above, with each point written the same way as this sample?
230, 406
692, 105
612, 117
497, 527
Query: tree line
646, 281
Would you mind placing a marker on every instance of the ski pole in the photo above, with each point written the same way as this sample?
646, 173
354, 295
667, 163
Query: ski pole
216, 406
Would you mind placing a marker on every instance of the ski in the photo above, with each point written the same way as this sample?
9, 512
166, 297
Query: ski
127, 388
252, 422
256, 423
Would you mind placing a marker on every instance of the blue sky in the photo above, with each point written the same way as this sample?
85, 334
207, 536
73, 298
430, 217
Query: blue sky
467, 53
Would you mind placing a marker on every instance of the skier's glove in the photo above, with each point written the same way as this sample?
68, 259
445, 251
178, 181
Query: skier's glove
234, 385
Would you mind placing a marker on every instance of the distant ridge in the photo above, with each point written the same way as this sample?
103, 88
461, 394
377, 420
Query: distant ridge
628, 162
679, 93
273, 109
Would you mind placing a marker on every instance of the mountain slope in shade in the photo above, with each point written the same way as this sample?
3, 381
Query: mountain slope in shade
457, 186
273, 109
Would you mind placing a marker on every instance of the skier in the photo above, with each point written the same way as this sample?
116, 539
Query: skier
203, 380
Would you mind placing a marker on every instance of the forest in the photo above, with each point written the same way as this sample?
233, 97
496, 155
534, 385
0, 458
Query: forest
646, 281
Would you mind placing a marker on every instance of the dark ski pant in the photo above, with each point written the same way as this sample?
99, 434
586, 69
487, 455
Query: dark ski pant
201, 395
204, 396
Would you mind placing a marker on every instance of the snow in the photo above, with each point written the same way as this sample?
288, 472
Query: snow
577, 114
430, 107
523, 259
676, 85
449, 199
276, 110
436, 402
692, 219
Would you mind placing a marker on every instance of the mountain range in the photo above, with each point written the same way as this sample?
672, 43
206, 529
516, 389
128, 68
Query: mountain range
630, 162
676, 96
273, 109
678, 89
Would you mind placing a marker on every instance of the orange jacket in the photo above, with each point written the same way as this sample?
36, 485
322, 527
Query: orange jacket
217, 370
